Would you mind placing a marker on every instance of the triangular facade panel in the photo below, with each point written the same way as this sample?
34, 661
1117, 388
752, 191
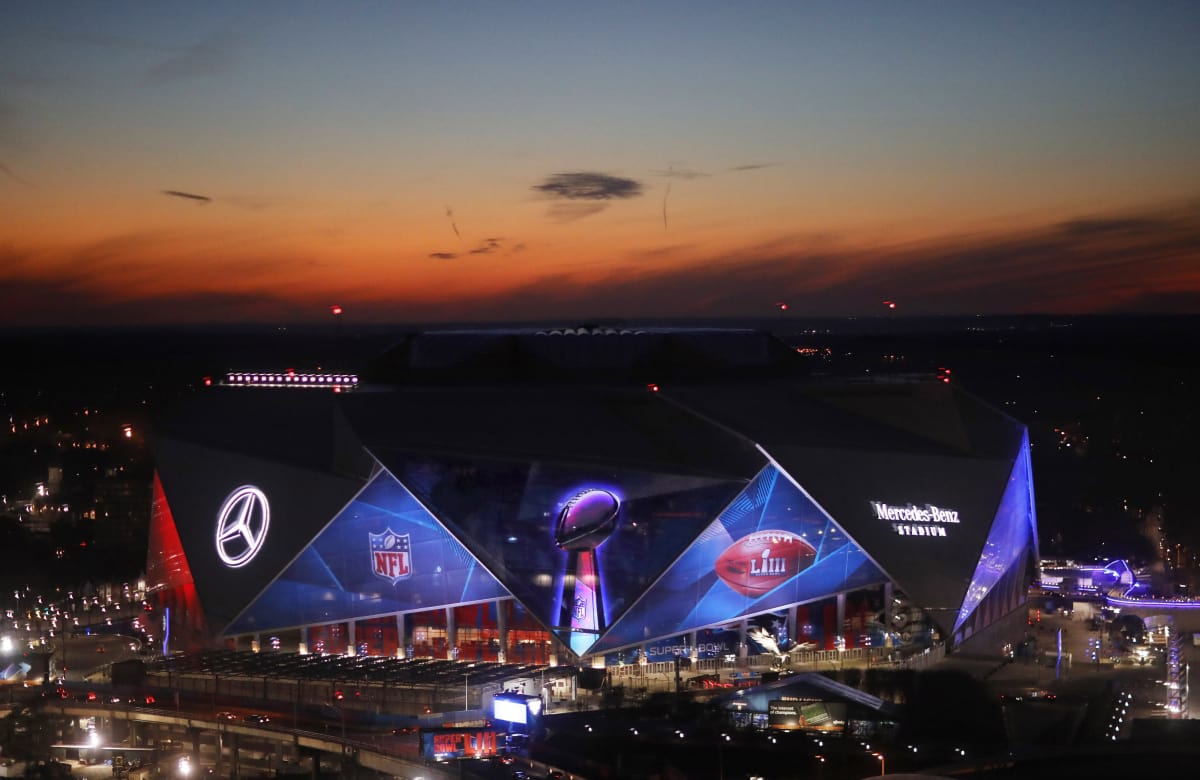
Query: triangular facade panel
923, 518
383, 553
169, 575
1008, 540
166, 564
242, 519
771, 547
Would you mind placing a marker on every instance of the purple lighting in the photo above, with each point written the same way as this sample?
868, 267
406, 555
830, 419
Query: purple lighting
1156, 603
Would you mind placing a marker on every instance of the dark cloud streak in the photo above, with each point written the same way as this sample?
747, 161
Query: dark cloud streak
187, 195
588, 186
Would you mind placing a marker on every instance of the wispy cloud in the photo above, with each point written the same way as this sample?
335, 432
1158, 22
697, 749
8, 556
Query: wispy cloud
213, 56
672, 173
681, 173
1147, 261
147, 277
487, 246
10, 174
753, 166
1130, 263
569, 212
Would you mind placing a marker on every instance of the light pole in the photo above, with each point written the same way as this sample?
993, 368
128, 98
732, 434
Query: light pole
882, 763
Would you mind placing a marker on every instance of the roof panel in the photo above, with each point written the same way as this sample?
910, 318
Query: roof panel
631, 428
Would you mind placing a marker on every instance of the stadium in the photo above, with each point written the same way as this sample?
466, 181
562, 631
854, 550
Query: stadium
590, 497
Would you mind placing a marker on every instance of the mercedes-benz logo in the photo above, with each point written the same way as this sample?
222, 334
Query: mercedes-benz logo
242, 526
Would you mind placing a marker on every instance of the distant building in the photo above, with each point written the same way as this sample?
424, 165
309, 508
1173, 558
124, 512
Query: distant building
590, 493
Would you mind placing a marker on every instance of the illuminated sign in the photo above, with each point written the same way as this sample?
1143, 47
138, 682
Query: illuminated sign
458, 743
242, 526
913, 520
783, 714
391, 555
585, 521
512, 711
791, 713
684, 650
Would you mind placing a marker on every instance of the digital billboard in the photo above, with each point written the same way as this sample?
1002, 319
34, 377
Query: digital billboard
576, 545
383, 553
454, 743
771, 547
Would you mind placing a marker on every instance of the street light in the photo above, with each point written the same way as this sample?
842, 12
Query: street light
882, 763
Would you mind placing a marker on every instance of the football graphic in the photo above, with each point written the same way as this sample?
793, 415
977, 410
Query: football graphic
762, 561
586, 520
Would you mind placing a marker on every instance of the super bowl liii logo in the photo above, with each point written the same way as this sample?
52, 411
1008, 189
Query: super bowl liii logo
913, 520
391, 556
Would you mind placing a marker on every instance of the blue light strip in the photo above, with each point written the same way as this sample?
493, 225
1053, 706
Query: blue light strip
1156, 603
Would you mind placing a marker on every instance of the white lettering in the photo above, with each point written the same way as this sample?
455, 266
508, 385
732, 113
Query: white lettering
913, 520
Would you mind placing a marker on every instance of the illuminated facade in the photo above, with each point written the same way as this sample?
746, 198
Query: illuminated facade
626, 495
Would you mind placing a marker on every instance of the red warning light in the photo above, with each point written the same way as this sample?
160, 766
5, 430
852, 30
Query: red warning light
337, 310
890, 304
208, 381
652, 387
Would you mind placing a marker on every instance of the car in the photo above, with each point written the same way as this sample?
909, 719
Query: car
225, 716
257, 718
554, 774
520, 774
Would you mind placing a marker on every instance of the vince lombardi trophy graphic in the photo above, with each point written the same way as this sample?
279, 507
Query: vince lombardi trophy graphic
586, 520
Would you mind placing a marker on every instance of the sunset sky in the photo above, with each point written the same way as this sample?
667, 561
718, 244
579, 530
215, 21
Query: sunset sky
166, 162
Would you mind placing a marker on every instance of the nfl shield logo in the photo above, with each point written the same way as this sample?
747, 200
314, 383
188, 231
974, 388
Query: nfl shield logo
390, 557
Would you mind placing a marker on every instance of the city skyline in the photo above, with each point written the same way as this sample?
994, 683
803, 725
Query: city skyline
178, 163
